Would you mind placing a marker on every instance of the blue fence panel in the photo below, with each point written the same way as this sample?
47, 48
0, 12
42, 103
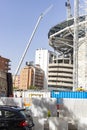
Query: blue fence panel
68, 94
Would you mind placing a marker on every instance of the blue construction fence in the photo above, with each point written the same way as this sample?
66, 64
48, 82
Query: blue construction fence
59, 95
68, 94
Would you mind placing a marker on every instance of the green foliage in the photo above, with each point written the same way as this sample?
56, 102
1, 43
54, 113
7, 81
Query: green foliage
15, 88
33, 87
48, 113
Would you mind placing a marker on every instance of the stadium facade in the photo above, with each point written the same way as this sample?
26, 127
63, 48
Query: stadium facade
61, 39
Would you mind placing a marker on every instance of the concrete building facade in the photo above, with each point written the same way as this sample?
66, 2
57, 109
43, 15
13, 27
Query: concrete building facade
3, 83
4, 64
60, 74
4, 78
43, 57
31, 76
16, 83
61, 38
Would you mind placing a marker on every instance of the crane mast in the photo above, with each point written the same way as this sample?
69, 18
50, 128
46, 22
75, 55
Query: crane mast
68, 7
31, 38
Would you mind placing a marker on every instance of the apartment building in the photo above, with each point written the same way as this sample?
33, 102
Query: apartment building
16, 83
31, 76
43, 57
5, 77
4, 64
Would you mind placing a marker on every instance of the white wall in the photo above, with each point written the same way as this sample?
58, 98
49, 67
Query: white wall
71, 110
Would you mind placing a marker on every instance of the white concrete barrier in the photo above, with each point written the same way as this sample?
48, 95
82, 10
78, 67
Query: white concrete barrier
82, 125
39, 123
56, 123
51, 123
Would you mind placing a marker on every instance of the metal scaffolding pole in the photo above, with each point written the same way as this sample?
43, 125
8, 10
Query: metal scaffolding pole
75, 45
85, 84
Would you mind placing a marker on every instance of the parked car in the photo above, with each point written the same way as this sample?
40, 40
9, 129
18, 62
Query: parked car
15, 118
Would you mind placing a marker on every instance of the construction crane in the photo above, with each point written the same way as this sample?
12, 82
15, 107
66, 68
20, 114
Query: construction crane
30, 40
68, 6
75, 45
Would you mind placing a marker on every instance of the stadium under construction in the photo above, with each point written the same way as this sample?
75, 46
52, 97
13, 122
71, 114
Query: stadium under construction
69, 39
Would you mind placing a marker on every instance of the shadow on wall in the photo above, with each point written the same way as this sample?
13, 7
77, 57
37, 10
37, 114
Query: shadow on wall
45, 115
44, 107
74, 111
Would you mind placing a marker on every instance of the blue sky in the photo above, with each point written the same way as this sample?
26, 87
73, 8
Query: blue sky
17, 21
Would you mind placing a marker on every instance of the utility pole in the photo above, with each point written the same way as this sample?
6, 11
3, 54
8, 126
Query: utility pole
75, 44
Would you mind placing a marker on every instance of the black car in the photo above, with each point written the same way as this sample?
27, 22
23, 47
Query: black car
15, 118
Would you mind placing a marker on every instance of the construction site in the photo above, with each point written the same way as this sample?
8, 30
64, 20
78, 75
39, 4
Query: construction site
69, 70
69, 40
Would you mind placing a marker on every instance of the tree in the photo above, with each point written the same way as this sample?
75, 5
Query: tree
33, 87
